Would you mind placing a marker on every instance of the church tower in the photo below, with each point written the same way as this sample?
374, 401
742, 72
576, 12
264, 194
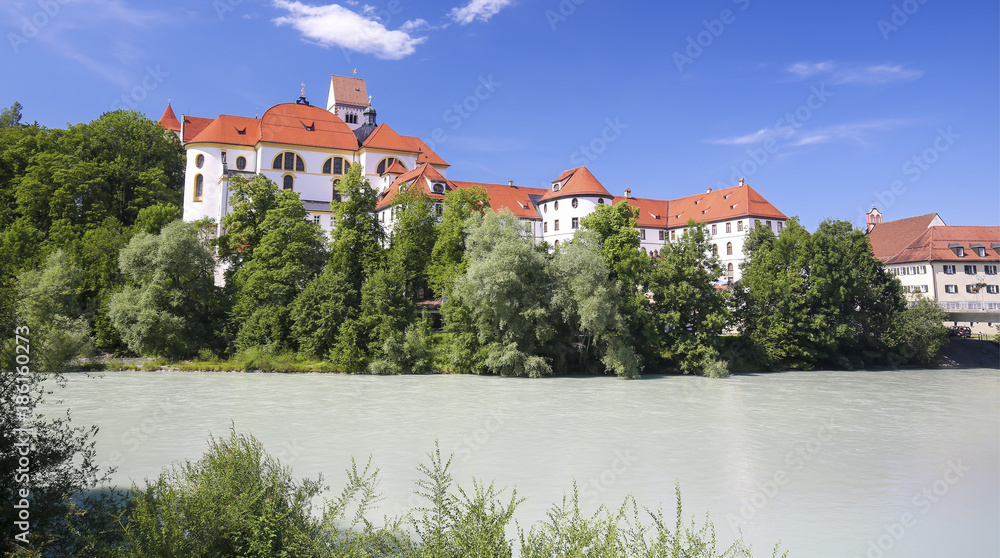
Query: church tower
348, 99
874, 218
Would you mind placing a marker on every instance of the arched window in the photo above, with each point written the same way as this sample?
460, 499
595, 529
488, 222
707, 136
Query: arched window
288, 182
729, 272
600, 201
729, 249
555, 205
288, 161
384, 165
557, 244
199, 187
575, 203
336, 165
336, 194
241, 163
199, 161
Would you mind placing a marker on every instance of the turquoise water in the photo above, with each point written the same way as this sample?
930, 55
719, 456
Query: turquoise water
894, 463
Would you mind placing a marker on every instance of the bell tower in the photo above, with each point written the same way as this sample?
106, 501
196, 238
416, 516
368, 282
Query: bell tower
874, 218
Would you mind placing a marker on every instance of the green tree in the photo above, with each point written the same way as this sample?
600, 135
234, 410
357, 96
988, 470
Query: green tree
11, 116
172, 307
291, 253
320, 310
414, 233
251, 200
357, 237
500, 307
688, 314
591, 306
918, 334
447, 258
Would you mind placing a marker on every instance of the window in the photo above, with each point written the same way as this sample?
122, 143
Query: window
600, 201
729, 248
729, 227
336, 165
739, 226
970, 270
288, 161
575, 205
715, 249
663, 235
768, 224
970, 289
288, 182
990, 269
951, 289
241, 163
557, 244
642, 234
715, 229
438, 209
575, 224
316, 219
545, 207
779, 226
545, 226
923, 288
223, 157
555, 205
555, 224
923, 270
438, 188
199, 161
981, 250
949, 269
729, 272
384, 165
960, 251
199, 187
993, 289
673, 235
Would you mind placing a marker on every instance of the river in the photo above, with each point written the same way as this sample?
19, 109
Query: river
862, 463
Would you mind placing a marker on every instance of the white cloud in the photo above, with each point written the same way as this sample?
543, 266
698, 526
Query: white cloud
840, 73
336, 26
481, 10
856, 131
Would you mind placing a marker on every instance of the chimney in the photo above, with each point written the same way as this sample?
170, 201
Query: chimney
628, 193
708, 190
742, 182
510, 183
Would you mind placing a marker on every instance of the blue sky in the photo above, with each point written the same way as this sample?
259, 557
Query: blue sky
822, 107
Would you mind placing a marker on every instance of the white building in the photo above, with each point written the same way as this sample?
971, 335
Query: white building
308, 149
953, 265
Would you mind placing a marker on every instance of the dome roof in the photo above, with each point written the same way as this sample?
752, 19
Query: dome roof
298, 124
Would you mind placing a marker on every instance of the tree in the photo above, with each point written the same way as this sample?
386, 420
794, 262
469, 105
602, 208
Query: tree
414, 233
320, 310
291, 252
11, 116
251, 200
591, 306
918, 334
172, 307
447, 261
357, 238
500, 307
687, 312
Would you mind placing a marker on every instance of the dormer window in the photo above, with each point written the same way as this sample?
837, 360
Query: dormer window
241, 131
557, 186
310, 127
958, 249
979, 249
438, 188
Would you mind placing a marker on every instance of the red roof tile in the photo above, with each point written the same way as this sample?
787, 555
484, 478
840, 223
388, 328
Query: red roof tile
426, 154
307, 125
721, 205
933, 245
652, 213
418, 178
193, 125
233, 130
517, 199
578, 182
395, 168
386, 139
349, 91
889, 237
169, 120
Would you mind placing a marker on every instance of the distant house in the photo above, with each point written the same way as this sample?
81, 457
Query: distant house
308, 149
953, 265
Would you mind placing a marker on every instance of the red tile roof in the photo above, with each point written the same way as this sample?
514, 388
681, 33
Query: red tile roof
652, 213
169, 120
395, 168
349, 91
233, 130
307, 125
515, 198
426, 154
193, 125
890, 237
417, 178
385, 138
933, 245
578, 182
721, 205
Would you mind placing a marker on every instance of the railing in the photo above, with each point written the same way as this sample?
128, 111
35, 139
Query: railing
970, 306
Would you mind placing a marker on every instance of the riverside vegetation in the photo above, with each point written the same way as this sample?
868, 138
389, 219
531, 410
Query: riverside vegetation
94, 259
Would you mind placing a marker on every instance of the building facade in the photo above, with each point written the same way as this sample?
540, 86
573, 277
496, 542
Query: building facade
953, 265
308, 149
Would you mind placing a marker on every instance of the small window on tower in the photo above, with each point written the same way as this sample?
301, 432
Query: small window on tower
241, 163
199, 161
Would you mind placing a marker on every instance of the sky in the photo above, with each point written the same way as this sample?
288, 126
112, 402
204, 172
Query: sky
824, 108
